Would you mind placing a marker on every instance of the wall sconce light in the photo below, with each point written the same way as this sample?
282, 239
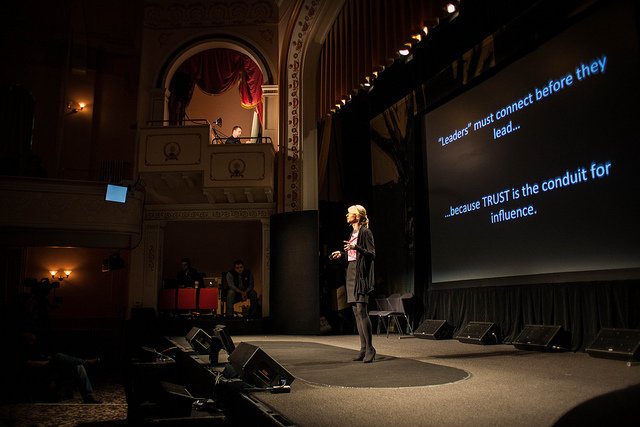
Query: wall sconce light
75, 110
60, 277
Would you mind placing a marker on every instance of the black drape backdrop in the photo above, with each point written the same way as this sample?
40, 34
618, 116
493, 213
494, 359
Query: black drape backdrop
582, 309
295, 289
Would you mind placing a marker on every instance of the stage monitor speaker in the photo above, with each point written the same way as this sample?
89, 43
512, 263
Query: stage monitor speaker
483, 333
224, 337
221, 340
199, 340
176, 401
539, 338
620, 344
434, 330
256, 367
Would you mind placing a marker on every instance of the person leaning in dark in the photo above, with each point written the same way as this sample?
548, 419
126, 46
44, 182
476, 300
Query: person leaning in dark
47, 372
188, 275
240, 283
360, 253
236, 133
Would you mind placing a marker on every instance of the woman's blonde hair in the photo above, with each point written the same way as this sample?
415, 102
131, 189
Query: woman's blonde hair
362, 213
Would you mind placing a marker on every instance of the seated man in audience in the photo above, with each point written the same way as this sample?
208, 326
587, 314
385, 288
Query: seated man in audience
49, 371
240, 284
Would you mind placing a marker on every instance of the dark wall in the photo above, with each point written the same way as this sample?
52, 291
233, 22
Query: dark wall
65, 52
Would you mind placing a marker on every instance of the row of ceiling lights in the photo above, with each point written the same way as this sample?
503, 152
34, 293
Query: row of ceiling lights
404, 52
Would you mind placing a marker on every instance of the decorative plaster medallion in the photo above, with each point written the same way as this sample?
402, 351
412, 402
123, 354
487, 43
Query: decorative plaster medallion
171, 151
236, 168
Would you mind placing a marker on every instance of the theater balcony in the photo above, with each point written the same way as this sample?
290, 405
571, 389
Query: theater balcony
189, 164
50, 212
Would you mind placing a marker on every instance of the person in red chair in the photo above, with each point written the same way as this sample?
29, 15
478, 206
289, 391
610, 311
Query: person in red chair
187, 276
240, 285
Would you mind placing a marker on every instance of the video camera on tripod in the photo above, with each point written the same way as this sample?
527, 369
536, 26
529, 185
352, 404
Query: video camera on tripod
40, 288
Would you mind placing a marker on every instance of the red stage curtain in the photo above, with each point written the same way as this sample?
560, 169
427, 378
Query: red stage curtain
215, 71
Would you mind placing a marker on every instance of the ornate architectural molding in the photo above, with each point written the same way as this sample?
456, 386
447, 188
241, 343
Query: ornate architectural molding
295, 57
202, 214
152, 254
208, 13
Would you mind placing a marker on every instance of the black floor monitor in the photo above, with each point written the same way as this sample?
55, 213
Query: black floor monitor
223, 335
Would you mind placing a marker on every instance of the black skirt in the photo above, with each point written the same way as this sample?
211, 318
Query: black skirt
351, 285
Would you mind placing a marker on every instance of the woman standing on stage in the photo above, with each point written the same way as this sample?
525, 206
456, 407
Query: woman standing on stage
360, 253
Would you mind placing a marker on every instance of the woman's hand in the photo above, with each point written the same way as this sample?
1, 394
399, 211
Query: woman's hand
348, 246
335, 255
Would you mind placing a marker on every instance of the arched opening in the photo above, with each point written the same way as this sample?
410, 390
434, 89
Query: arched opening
219, 81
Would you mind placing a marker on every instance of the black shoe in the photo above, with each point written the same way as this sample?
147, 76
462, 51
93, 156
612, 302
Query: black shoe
370, 358
359, 357
91, 400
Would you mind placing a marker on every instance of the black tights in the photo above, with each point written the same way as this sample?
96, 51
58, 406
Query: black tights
363, 323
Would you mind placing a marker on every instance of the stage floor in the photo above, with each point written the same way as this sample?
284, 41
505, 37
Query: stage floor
445, 383
413, 381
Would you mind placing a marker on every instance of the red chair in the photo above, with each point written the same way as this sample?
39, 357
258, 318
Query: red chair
208, 299
187, 298
167, 300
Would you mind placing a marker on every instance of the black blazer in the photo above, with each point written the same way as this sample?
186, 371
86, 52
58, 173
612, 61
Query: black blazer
365, 256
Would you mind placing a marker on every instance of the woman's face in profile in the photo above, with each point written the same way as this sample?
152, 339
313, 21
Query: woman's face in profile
352, 217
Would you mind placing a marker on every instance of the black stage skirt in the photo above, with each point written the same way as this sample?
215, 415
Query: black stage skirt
351, 284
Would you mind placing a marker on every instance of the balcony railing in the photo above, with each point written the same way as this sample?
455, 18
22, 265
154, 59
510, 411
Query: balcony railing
193, 149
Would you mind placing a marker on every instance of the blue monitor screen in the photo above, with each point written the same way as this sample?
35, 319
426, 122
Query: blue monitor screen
116, 193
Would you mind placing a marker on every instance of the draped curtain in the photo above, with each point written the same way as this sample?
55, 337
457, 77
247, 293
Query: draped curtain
215, 71
366, 37
582, 309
